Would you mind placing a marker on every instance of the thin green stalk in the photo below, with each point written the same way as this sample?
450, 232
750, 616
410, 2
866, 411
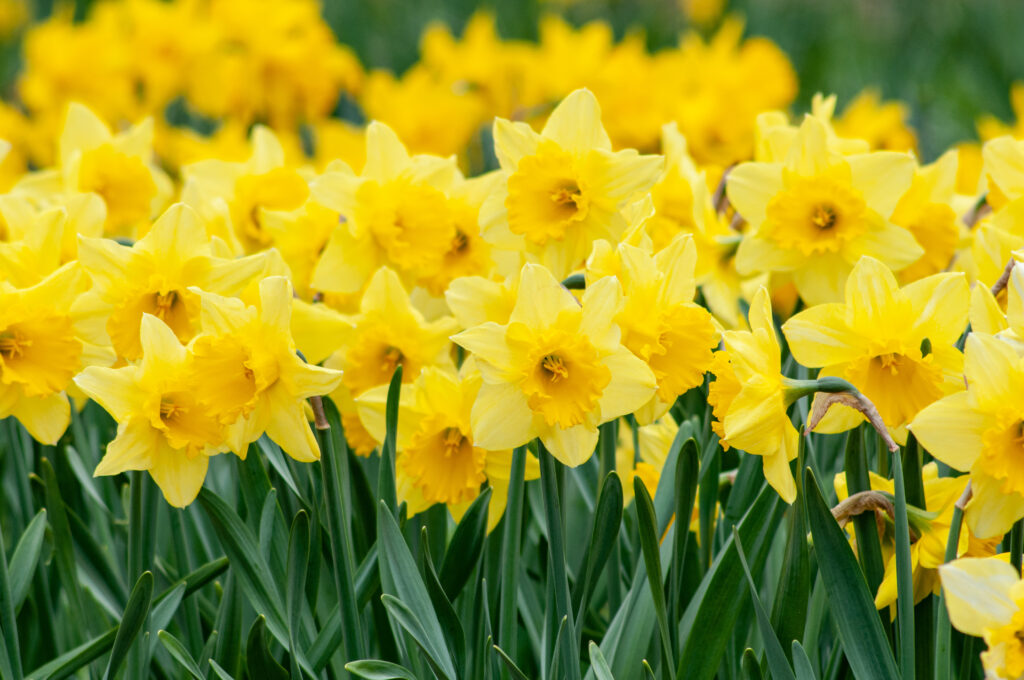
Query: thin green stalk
942, 627
607, 443
508, 624
1016, 544
8, 623
192, 624
343, 561
869, 550
904, 574
556, 548
135, 481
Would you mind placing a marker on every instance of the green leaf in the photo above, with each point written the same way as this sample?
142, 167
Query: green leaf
10, 654
178, 652
69, 662
789, 611
247, 562
466, 545
386, 473
401, 580
510, 664
598, 664
298, 563
603, 535
802, 664
221, 673
162, 613
751, 668
868, 549
258, 659
511, 539
407, 619
446, 616
904, 574
686, 477
711, 615
26, 557
372, 669
134, 618
853, 608
777, 662
649, 543
65, 553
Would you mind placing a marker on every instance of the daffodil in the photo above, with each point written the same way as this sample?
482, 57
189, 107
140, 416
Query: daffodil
897, 346
163, 425
815, 214
43, 345
556, 370
254, 381
156, 274
438, 458
748, 397
929, 527
985, 598
979, 430
565, 187
387, 332
42, 239
883, 124
251, 188
928, 211
660, 322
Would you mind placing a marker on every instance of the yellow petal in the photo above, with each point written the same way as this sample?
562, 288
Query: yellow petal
756, 419
541, 298
952, 431
512, 141
820, 337
501, 418
822, 279
601, 302
871, 292
941, 303
179, 477
46, 418
267, 152
991, 511
276, 304
572, 446
893, 245
318, 330
83, 130
576, 124
386, 156
993, 372
776, 466
288, 427
487, 343
133, 448
751, 186
808, 155
161, 350
115, 389
756, 254
631, 386
177, 235
977, 593
882, 177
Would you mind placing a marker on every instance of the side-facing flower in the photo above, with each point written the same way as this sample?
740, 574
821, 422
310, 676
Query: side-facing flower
43, 344
565, 187
163, 426
253, 379
556, 370
815, 214
897, 346
985, 598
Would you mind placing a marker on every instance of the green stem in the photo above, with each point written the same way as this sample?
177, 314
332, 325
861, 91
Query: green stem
556, 548
136, 480
1016, 544
904, 574
508, 625
8, 623
942, 628
343, 561
607, 442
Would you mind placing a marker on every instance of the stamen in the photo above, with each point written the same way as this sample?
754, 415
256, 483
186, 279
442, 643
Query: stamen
392, 357
459, 242
567, 194
169, 410
165, 303
13, 345
824, 216
554, 367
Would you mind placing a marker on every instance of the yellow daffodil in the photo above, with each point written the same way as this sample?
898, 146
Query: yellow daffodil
897, 346
929, 527
42, 240
386, 333
254, 379
815, 214
396, 214
438, 459
556, 370
163, 424
985, 598
565, 187
250, 189
748, 397
882, 124
154, 276
43, 345
979, 430
659, 321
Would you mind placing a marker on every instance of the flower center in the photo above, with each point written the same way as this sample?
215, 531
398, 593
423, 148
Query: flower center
568, 194
459, 242
1002, 449
442, 462
164, 303
816, 215
124, 182
545, 196
410, 222
42, 355
824, 216
13, 344
554, 367
899, 385
391, 359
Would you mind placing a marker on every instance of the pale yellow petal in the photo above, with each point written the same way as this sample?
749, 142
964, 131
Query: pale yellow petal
288, 427
501, 418
631, 386
951, 430
572, 446
115, 389
46, 418
134, 448
541, 298
513, 141
386, 156
977, 593
751, 186
575, 124
941, 303
179, 477
993, 372
820, 337
83, 130
992, 511
882, 177
757, 254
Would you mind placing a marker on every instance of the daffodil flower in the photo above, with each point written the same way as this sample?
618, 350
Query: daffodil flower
556, 370
985, 598
163, 424
254, 381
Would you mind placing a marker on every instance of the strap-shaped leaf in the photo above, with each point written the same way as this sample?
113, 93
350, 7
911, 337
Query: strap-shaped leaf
465, 547
178, 652
134, 618
372, 669
777, 662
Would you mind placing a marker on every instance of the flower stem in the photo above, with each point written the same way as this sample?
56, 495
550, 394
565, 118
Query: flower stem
942, 629
1016, 544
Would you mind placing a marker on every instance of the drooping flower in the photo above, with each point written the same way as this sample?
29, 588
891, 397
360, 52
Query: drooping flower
985, 598
556, 370
897, 346
254, 380
814, 215
164, 426
43, 345
980, 430
565, 187
156, 276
